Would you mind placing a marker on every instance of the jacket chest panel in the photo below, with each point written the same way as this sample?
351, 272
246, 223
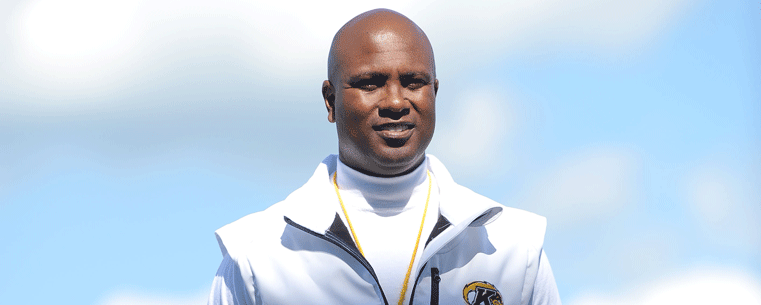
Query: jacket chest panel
476, 271
303, 269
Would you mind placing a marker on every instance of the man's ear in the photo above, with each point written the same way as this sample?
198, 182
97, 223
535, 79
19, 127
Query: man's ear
329, 95
435, 86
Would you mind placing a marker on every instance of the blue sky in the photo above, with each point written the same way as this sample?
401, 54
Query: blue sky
131, 130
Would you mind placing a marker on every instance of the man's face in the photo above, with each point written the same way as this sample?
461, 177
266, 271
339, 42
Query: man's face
384, 105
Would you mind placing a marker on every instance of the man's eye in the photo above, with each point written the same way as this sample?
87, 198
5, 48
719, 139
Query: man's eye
414, 84
369, 87
369, 84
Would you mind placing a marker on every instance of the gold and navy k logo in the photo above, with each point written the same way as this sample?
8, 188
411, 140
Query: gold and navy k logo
481, 293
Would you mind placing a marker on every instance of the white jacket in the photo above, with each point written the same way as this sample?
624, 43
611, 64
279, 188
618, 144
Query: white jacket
299, 251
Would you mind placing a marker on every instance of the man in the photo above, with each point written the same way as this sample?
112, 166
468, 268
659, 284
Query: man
382, 222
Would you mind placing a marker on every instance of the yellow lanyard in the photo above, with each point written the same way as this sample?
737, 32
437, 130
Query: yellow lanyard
417, 242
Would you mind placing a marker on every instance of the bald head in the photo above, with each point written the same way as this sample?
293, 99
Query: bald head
381, 93
365, 32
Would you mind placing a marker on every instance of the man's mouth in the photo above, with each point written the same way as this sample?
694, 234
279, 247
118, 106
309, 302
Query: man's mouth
394, 127
395, 134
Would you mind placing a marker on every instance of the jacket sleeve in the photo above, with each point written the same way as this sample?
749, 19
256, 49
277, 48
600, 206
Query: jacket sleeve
228, 287
545, 288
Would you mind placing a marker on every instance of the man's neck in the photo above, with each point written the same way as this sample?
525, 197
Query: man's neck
381, 192
379, 171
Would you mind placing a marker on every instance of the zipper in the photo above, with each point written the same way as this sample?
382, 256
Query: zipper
412, 295
435, 279
341, 244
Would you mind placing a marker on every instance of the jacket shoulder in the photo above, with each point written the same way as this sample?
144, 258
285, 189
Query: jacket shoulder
519, 225
530, 225
249, 229
511, 224
261, 226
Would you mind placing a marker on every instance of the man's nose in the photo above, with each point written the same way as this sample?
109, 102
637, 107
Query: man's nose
394, 104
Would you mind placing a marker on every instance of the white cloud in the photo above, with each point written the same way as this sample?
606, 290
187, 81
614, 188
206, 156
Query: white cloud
95, 45
79, 43
698, 287
131, 297
87, 44
722, 200
587, 185
596, 25
60, 33
713, 194
483, 121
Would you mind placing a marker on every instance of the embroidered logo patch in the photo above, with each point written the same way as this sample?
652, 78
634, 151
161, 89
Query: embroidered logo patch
481, 293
